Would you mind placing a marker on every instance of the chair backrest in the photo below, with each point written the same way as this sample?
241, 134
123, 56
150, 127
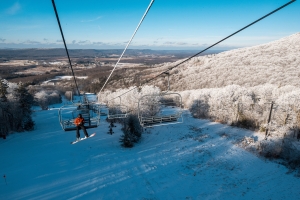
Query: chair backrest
161, 109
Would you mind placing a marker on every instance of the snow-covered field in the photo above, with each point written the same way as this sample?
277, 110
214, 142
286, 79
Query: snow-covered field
194, 160
64, 78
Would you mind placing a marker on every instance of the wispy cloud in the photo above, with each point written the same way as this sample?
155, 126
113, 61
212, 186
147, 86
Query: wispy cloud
99, 43
91, 20
2, 40
84, 42
31, 42
169, 43
182, 43
13, 9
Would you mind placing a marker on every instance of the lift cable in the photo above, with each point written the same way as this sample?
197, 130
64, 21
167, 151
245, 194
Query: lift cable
62, 35
128, 44
147, 81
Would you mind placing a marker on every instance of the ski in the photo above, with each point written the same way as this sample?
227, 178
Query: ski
92, 135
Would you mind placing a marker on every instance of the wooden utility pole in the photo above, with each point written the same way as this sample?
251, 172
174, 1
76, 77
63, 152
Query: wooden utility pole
269, 119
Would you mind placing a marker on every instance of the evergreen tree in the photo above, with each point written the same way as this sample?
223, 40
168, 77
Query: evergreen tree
3, 90
132, 131
24, 101
126, 139
134, 127
5, 117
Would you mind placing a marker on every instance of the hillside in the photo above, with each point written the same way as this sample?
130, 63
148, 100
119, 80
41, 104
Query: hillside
277, 63
194, 160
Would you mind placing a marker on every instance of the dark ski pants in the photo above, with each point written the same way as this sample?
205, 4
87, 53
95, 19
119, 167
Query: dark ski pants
84, 131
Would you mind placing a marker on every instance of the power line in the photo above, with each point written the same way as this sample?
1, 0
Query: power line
245, 27
128, 43
62, 35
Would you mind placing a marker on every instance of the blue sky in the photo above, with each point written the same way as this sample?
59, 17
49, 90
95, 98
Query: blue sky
170, 24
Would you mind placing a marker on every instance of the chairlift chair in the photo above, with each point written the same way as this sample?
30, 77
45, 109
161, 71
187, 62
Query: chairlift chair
117, 111
90, 112
158, 110
161, 109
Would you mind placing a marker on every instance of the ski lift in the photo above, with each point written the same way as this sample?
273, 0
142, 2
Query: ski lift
118, 111
89, 111
161, 109
157, 110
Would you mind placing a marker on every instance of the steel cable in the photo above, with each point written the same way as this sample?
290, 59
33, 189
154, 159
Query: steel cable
245, 27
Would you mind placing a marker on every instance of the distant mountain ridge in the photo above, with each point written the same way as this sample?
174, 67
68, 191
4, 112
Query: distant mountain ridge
42, 53
277, 63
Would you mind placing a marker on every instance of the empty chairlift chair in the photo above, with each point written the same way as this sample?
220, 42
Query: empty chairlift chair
157, 110
117, 111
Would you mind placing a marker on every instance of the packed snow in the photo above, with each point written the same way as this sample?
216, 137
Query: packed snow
197, 159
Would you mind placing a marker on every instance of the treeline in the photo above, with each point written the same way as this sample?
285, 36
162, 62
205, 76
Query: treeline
15, 108
273, 111
45, 98
122, 78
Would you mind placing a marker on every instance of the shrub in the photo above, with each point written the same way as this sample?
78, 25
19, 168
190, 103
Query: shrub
44, 99
199, 109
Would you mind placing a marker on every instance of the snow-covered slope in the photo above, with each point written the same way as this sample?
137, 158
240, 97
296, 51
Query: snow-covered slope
194, 160
276, 62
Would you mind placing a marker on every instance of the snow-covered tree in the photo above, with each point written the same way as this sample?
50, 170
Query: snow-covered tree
129, 100
44, 99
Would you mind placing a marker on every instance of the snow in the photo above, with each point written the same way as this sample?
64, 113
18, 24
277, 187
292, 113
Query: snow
198, 159
168, 110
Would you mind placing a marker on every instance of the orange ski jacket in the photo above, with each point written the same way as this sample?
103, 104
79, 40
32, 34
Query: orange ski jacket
79, 121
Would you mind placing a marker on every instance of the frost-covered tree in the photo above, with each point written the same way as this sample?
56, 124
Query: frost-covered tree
69, 95
275, 63
130, 99
149, 105
44, 99
200, 109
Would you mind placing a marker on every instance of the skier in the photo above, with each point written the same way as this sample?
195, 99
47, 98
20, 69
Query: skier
79, 122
